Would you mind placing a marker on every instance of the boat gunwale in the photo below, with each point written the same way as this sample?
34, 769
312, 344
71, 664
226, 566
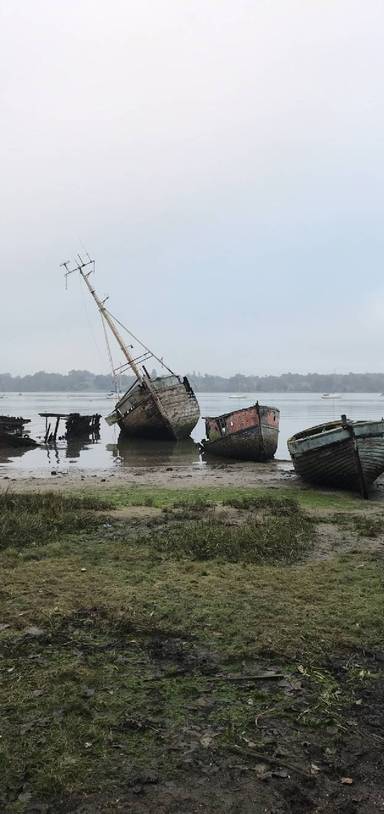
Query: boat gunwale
240, 410
334, 428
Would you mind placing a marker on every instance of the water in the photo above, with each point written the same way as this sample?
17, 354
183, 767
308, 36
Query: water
297, 411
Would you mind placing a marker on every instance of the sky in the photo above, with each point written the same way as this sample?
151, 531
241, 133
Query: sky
222, 162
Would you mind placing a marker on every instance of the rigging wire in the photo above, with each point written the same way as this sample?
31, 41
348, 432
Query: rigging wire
136, 339
140, 342
116, 378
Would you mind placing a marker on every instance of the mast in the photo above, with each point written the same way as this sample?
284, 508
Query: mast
144, 380
104, 311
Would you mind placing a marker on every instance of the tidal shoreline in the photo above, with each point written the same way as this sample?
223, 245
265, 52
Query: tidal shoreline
273, 473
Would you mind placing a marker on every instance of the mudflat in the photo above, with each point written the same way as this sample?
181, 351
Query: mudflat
222, 473
273, 474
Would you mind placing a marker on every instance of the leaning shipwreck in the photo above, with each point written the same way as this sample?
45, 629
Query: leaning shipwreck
161, 407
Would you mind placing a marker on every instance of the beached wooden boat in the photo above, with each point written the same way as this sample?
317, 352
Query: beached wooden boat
250, 434
163, 407
12, 432
345, 454
10, 439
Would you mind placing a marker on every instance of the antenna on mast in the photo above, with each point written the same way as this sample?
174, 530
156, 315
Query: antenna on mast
81, 266
142, 375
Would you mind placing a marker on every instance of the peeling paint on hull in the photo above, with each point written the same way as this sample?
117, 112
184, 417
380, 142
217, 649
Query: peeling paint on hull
250, 434
330, 455
171, 414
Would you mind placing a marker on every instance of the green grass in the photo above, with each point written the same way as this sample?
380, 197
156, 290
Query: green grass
282, 536
365, 524
369, 526
118, 641
34, 519
164, 497
287, 506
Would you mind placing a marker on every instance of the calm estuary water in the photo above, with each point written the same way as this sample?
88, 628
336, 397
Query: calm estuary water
297, 411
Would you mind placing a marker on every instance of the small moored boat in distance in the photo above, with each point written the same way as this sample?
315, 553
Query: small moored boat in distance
163, 407
331, 396
250, 434
344, 454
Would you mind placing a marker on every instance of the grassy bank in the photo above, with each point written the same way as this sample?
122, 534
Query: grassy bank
202, 652
163, 497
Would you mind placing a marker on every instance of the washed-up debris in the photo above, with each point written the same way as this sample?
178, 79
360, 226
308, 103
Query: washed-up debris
76, 426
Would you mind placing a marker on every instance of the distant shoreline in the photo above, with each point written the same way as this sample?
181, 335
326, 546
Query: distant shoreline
240, 393
83, 381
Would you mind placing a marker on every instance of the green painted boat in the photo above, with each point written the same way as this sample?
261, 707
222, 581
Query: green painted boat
343, 454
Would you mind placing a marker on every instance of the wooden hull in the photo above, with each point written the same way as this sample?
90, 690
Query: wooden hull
345, 456
250, 434
167, 410
8, 439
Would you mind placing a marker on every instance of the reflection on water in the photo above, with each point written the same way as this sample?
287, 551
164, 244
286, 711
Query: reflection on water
297, 411
75, 446
9, 454
134, 452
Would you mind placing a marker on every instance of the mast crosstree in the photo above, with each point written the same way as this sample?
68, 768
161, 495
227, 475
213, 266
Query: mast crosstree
80, 267
170, 417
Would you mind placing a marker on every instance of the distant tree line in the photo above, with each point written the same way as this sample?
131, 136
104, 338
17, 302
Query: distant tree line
291, 383
83, 380
75, 381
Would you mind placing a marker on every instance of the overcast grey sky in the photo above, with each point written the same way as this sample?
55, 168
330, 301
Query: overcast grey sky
222, 161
